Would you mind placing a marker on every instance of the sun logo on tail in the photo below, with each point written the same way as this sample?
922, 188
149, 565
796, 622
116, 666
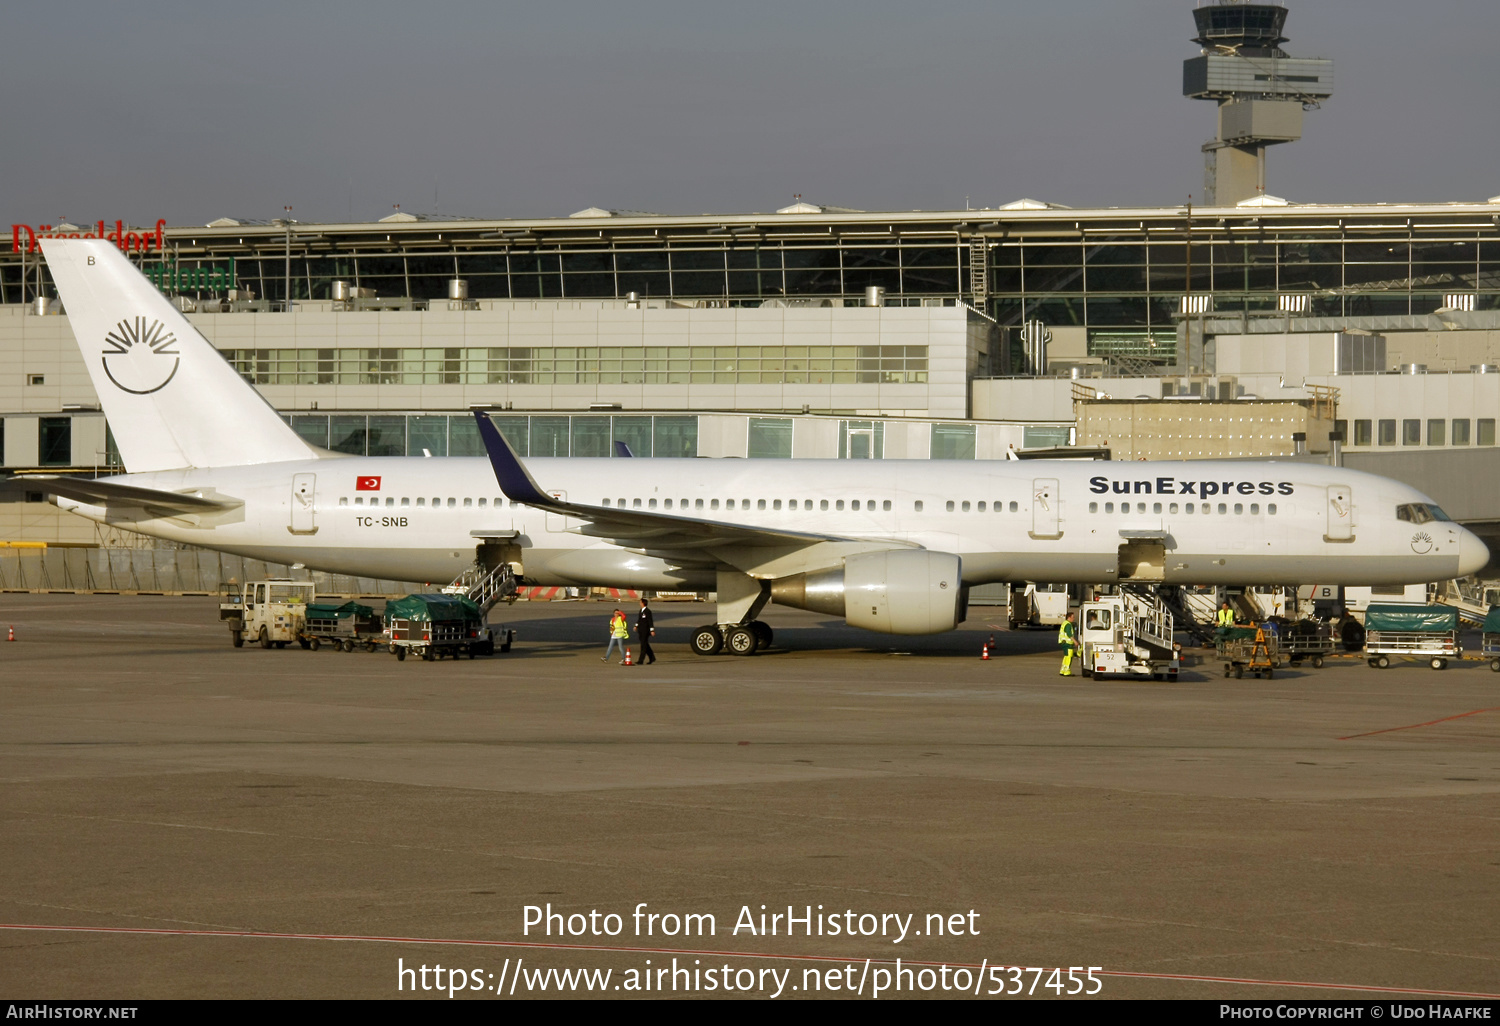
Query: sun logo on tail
141, 353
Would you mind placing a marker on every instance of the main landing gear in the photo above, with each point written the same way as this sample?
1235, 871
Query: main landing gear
744, 639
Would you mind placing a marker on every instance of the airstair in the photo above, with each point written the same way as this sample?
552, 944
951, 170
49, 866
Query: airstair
1180, 604
1148, 624
485, 587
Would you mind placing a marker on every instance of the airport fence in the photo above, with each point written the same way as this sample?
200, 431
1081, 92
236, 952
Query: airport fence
163, 571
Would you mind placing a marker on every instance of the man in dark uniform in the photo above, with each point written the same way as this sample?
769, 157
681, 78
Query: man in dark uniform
645, 627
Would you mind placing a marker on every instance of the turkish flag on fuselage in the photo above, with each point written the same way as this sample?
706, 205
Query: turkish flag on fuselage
367, 484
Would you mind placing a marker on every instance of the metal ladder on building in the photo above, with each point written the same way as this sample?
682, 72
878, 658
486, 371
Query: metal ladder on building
484, 587
979, 270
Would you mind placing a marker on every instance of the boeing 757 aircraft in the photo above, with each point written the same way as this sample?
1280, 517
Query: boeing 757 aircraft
890, 545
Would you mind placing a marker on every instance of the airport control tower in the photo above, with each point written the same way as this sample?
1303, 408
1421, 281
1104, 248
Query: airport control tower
1261, 92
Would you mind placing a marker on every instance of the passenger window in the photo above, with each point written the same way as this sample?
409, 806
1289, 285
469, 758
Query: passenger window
981, 507
405, 501
823, 505
1223, 509
421, 502
1189, 508
667, 504
452, 502
854, 505
651, 503
917, 506
635, 503
886, 505
1239, 509
1013, 507
1271, 508
1255, 509
950, 505
1172, 508
483, 501
776, 504
1156, 507
499, 502
359, 500
343, 500
839, 505
1093, 507
965, 506
760, 503
468, 503
1125, 508
390, 500
1140, 507
713, 504
436, 502
1109, 507
697, 503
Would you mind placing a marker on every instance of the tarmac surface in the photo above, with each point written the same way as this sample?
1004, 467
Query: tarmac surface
190, 820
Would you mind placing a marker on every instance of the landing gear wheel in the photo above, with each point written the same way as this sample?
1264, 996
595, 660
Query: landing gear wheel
237, 639
763, 632
708, 641
742, 640
314, 644
265, 639
1382, 663
1317, 662
400, 653
348, 645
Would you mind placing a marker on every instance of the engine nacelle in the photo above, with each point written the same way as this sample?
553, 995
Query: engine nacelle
897, 591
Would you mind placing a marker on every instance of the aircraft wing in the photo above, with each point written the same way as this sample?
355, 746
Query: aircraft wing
673, 537
113, 493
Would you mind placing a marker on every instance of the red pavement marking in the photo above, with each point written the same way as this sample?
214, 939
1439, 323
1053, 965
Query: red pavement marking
265, 935
1414, 726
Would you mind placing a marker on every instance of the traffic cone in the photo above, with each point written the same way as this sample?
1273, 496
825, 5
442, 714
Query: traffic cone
984, 653
12, 635
627, 658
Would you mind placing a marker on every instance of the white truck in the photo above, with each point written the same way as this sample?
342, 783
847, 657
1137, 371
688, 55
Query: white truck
1038, 605
272, 613
1128, 635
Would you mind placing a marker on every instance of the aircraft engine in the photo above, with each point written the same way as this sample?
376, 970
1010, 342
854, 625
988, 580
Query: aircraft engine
898, 591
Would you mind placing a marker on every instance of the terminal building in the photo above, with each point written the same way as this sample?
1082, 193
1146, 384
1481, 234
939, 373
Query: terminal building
1254, 328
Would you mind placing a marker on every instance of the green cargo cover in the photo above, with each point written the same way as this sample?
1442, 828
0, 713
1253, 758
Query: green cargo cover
432, 609
329, 611
1427, 619
1492, 622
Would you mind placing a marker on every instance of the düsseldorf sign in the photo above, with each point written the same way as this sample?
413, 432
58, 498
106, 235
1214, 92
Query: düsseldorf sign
129, 240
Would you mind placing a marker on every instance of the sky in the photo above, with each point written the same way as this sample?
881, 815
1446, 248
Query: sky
194, 111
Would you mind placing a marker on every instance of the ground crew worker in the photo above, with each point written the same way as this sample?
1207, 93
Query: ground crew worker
1067, 637
1225, 616
619, 633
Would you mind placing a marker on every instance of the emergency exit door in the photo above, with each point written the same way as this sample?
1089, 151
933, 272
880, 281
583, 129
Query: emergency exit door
1340, 514
304, 497
1046, 521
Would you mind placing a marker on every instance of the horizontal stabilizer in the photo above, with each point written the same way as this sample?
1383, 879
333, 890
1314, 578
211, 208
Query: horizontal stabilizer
112, 493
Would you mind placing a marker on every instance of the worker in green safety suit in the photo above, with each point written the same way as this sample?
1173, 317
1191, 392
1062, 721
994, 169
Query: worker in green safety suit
1067, 637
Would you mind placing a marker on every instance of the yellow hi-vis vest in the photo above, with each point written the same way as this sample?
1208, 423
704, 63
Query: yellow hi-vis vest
1066, 633
1226, 618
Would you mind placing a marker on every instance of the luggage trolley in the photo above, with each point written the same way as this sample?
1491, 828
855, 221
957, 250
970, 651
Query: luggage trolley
1490, 647
1248, 648
1412, 632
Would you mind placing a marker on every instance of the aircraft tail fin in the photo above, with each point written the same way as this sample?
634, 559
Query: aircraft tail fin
170, 398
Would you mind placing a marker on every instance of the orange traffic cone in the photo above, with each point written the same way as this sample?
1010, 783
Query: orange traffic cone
984, 653
627, 661
12, 635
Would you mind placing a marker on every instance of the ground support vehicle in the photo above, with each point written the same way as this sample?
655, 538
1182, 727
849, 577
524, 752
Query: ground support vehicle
1491, 644
347, 626
1038, 605
436, 625
1248, 648
271, 613
1311, 641
1412, 632
1128, 635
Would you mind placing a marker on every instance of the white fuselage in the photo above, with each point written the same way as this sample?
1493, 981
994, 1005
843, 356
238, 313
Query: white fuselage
1061, 521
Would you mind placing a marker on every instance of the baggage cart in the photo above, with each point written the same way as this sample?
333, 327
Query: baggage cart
1310, 641
1248, 648
436, 625
1490, 645
1412, 632
344, 627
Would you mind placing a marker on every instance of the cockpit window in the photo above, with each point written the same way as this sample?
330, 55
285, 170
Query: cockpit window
1420, 513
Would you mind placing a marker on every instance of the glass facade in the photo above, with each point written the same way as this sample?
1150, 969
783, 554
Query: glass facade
360, 434
585, 365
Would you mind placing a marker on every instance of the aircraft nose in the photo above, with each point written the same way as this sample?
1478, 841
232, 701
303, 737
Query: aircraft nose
1473, 554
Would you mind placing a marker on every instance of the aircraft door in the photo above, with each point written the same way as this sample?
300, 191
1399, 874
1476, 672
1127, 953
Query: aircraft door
1340, 514
1045, 508
303, 504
